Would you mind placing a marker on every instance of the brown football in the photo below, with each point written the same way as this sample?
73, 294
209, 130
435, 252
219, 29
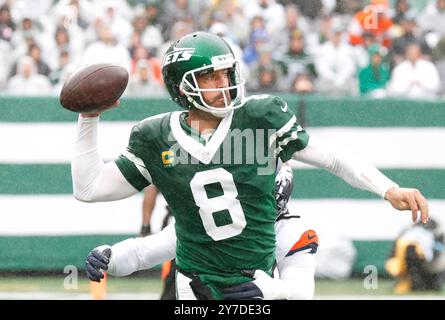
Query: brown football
94, 88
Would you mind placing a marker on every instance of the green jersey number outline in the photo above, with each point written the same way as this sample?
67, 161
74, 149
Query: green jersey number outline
227, 201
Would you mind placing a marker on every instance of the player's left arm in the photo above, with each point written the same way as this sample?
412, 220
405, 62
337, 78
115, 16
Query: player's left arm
291, 141
362, 175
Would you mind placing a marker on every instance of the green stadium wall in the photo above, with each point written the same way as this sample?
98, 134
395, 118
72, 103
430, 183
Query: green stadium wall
42, 228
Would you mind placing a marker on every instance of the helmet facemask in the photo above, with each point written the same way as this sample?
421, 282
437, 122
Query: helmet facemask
231, 94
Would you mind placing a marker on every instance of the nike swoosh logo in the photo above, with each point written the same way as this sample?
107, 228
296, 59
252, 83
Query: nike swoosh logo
284, 109
310, 237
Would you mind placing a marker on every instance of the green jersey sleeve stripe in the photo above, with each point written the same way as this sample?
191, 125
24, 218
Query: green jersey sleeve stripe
293, 136
288, 126
285, 151
131, 173
140, 165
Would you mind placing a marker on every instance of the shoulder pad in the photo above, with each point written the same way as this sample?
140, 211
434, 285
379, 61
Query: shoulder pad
151, 127
258, 106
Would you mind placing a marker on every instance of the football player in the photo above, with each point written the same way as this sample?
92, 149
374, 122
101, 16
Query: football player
218, 187
295, 260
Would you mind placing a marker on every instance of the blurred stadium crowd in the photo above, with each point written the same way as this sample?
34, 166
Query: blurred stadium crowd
377, 48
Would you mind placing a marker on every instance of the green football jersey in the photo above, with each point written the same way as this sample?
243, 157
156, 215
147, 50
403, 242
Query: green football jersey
220, 191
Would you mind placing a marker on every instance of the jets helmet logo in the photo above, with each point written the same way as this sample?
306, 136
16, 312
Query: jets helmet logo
178, 54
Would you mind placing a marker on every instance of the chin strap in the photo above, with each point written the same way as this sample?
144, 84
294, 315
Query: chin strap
220, 114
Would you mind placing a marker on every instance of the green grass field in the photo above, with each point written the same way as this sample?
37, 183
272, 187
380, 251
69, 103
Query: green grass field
149, 287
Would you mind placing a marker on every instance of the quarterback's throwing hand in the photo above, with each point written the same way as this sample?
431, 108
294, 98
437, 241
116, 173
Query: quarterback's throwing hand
97, 260
409, 199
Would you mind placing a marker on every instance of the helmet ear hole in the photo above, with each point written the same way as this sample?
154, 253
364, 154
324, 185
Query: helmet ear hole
184, 87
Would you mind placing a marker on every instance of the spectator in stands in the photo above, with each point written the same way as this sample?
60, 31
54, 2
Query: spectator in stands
144, 34
64, 43
335, 65
5, 52
264, 71
120, 27
303, 84
153, 13
141, 53
36, 53
107, 50
296, 60
415, 77
25, 30
92, 33
349, 7
28, 82
7, 25
432, 20
69, 33
232, 16
62, 39
294, 21
31, 9
152, 37
267, 80
139, 21
122, 6
361, 51
58, 43
176, 10
271, 11
409, 34
258, 37
80, 11
310, 8
439, 59
56, 74
324, 29
374, 78
372, 19
402, 11
142, 82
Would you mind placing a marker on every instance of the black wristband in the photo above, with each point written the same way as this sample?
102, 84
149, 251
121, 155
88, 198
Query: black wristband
145, 229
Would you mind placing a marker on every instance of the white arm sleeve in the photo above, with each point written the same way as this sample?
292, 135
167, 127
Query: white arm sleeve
136, 254
94, 180
297, 274
354, 171
296, 279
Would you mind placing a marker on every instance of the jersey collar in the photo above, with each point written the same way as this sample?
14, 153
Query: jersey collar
204, 153
189, 130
